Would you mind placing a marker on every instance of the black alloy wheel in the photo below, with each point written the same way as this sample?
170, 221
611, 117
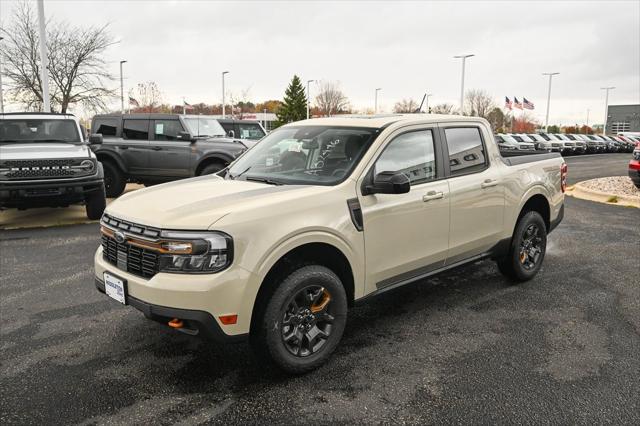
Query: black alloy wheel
530, 247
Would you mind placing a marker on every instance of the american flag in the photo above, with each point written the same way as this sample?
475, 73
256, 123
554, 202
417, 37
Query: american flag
133, 102
507, 103
516, 103
526, 104
187, 105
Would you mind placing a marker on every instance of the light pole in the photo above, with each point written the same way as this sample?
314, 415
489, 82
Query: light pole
588, 116
464, 59
264, 118
606, 107
426, 108
308, 97
1, 95
122, 88
546, 121
44, 61
375, 105
223, 102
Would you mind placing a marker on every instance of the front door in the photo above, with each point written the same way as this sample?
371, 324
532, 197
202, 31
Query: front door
477, 193
406, 235
169, 156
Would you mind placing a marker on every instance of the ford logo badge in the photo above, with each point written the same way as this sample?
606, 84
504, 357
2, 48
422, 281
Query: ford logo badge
119, 236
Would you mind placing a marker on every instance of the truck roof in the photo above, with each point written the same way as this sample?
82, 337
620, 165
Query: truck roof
34, 115
380, 120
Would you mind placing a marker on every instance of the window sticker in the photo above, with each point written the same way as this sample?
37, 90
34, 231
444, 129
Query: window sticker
269, 162
159, 128
295, 147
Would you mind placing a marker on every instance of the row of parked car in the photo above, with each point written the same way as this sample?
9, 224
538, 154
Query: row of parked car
566, 144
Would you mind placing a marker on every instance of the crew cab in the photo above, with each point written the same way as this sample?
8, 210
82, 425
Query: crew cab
156, 148
45, 162
321, 214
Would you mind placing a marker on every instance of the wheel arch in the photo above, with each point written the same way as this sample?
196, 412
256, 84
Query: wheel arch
217, 157
537, 202
102, 156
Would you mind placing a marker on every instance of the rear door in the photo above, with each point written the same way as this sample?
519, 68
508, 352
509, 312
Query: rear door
169, 155
476, 191
133, 146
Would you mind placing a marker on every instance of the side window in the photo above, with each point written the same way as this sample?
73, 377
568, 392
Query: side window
105, 127
167, 130
466, 152
227, 127
135, 129
250, 131
411, 153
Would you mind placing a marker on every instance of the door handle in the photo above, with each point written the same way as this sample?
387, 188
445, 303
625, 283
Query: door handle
124, 147
432, 195
156, 148
488, 183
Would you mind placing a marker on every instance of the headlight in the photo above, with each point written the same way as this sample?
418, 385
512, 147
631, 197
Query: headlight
195, 252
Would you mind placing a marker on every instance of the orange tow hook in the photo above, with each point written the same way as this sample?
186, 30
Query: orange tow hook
176, 323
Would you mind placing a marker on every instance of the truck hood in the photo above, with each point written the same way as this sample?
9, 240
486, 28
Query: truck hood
44, 150
198, 203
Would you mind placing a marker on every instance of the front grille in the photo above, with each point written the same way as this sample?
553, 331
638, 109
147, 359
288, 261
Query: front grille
135, 260
125, 256
34, 169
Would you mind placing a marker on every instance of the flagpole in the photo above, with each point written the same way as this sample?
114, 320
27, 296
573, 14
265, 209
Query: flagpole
184, 107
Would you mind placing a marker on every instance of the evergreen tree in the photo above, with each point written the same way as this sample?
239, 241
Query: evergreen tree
294, 106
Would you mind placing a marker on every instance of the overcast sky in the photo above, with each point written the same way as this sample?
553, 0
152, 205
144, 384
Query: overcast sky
406, 48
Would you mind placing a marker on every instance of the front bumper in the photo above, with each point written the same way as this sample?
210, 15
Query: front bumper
50, 192
198, 299
634, 172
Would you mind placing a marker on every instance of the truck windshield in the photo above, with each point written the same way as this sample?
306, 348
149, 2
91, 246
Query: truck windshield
204, 126
23, 130
305, 155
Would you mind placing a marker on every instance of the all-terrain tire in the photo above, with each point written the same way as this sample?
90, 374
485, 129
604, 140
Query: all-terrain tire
519, 264
95, 203
114, 179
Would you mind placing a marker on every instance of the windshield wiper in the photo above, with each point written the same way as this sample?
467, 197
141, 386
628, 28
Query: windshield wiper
263, 180
232, 177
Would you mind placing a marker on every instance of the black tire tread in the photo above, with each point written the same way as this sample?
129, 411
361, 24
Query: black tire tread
510, 266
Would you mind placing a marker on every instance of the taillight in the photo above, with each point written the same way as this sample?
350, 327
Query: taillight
563, 176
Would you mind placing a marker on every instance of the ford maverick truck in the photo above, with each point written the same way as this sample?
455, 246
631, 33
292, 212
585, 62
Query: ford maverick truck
322, 214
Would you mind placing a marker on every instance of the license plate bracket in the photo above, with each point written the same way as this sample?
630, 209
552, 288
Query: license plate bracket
115, 287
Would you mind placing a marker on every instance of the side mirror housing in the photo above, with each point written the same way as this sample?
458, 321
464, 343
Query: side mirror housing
389, 183
95, 139
185, 136
231, 134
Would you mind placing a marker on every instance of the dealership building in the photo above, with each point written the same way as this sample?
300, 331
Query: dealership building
623, 118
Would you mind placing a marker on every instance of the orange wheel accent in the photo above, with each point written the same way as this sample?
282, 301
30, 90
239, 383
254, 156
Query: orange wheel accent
176, 323
326, 298
523, 257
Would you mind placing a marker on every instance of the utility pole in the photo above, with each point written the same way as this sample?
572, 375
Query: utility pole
375, 104
546, 121
44, 61
606, 108
427, 100
308, 97
588, 117
122, 88
223, 102
1, 94
464, 59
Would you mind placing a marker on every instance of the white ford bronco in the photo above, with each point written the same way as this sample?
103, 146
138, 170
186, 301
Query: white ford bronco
45, 161
318, 215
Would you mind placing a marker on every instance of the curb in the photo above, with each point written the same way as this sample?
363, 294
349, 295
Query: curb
579, 191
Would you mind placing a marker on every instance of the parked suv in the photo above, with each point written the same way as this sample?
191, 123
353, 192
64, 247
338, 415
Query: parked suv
242, 129
45, 162
320, 214
155, 148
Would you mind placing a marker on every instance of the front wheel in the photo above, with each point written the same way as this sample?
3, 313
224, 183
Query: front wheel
95, 204
527, 250
302, 321
114, 180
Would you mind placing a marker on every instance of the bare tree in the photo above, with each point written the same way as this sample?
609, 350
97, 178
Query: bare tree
405, 106
76, 62
331, 100
442, 109
146, 98
478, 103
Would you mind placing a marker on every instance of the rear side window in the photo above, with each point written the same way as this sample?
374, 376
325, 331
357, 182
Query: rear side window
135, 129
105, 126
227, 127
411, 153
250, 131
466, 151
167, 130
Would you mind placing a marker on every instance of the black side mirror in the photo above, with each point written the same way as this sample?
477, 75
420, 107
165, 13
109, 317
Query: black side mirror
95, 139
185, 136
389, 183
231, 134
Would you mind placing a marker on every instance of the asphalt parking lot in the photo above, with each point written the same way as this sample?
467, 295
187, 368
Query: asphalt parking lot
465, 347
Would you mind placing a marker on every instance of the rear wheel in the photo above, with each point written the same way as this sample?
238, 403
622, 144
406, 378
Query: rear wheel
527, 250
302, 320
95, 204
114, 180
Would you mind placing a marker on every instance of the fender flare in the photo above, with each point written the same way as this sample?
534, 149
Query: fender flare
105, 154
212, 156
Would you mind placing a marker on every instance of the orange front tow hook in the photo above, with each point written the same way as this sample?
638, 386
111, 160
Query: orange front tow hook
175, 323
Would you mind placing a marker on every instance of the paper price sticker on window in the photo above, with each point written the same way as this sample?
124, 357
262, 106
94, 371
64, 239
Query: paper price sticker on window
159, 128
295, 147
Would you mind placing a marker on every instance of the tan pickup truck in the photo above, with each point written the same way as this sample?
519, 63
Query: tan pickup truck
321, 214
